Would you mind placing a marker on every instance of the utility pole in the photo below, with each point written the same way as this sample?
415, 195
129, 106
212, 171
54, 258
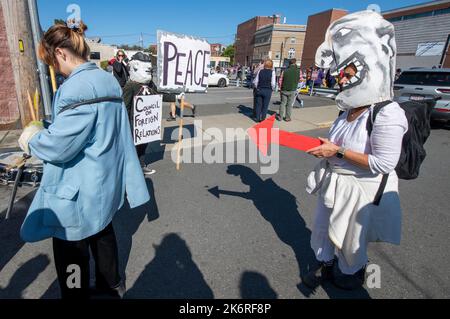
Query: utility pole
22, 52
42, 68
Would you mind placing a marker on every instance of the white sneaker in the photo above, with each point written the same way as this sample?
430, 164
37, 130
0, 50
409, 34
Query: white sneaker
148, 171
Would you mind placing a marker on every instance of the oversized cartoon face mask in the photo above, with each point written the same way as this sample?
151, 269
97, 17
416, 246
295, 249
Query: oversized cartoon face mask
366, 40
140, 71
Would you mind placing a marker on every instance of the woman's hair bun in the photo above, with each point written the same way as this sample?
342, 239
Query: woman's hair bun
77, 26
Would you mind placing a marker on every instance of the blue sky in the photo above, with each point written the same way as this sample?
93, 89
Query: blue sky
121, 22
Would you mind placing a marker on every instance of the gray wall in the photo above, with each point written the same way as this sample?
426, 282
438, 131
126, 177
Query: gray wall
409, 33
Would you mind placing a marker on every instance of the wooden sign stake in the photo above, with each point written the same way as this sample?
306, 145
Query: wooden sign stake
180, 133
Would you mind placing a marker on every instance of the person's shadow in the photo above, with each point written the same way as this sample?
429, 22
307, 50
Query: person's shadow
24, 277
10, 240
127, 222
254, 285
279, 207
172, 274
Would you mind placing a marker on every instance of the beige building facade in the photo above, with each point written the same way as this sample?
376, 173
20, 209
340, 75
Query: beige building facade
279, 42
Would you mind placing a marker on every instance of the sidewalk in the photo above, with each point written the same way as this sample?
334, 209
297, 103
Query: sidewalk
304, 119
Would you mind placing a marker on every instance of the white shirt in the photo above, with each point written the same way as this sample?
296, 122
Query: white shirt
384, 146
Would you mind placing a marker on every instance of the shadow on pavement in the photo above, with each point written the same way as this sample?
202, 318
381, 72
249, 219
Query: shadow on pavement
127, 222
10, 240
189, 131
253, 285
279, 207
172, 274
24, 277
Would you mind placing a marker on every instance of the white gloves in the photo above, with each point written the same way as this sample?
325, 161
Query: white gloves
28, 133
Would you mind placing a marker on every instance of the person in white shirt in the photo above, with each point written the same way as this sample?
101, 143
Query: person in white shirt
347, 181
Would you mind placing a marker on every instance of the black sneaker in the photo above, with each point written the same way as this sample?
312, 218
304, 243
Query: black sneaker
315, 278
194, 109
350, 282
171, 119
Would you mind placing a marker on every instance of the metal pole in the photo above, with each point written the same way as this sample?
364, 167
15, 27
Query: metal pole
444, 54
42, 68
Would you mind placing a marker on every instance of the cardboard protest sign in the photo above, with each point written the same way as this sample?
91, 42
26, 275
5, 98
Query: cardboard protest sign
183, 63
147, 119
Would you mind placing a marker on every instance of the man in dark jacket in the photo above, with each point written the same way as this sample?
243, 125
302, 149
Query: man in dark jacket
120, 70
291, 78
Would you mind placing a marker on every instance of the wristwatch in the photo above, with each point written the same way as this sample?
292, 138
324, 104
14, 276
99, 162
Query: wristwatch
341, 153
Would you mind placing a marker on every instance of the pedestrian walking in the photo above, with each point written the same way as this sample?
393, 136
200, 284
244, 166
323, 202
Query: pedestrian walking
172, 99
288, 91
89, 164
265, 84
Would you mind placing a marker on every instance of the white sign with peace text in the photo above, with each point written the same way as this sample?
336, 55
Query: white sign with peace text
183, 63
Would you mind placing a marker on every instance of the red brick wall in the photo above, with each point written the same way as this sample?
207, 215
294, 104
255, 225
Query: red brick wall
315, 33
9, 109
246, 38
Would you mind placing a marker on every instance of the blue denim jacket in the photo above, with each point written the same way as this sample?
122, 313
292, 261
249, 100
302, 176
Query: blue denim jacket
90, 162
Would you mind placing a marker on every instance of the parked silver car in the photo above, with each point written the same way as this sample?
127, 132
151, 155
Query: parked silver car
421, 84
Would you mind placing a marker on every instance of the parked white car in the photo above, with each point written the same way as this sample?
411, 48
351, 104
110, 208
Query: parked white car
218, 79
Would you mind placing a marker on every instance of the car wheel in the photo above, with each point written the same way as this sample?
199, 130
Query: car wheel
222, 83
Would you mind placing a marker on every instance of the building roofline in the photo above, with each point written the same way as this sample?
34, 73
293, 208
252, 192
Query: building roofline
278, 26
416, 6
328, 10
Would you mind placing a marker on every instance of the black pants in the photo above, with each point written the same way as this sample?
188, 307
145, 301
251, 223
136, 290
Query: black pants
141, 149
105, 253
263, 97
255, 102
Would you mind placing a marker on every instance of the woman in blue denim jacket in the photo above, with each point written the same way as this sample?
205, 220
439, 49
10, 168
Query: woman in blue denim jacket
90, 163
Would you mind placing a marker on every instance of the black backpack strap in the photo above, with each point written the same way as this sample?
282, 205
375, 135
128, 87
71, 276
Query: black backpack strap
373, 115
93, 101
370, 122
381, 190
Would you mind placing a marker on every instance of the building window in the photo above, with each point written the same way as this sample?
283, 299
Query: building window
291, 53
95, 56
442, 11
419, 15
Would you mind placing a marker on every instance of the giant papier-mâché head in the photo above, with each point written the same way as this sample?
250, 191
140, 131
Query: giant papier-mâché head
141, 68
367, 40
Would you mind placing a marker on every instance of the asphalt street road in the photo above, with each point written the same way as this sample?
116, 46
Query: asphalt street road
226, 231
237, 100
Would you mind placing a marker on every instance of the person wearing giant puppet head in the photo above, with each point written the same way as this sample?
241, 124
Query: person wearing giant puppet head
362, 48
140, 83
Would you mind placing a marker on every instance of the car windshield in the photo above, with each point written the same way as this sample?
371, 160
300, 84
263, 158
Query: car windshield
425, 78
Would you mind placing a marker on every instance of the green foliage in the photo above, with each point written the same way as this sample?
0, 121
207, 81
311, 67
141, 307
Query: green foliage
104, 64
230, 52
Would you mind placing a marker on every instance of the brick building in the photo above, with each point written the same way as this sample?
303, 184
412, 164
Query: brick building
279, 42
217, 49
245, 37
9, 108
317, 28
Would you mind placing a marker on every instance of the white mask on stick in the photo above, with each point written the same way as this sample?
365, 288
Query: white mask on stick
367, 40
